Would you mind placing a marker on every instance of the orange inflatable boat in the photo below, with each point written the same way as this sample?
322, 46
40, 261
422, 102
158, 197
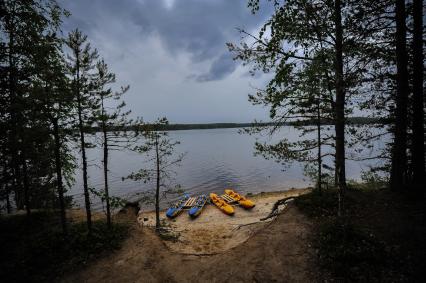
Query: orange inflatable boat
246, 203
221, 204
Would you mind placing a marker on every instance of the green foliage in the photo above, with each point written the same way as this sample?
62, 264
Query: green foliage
374, 180
160, 152
311, 171
33, 94
114, 202
35, 250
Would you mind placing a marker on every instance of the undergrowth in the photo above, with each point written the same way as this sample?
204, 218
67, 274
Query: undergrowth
350, 248
35, 250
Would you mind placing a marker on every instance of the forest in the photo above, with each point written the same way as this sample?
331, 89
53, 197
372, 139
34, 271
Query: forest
345, 73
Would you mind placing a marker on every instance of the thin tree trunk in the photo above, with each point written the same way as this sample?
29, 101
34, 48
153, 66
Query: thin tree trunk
17, 192
418, 148
6, 189
59, 184
399, 156
26, 186
8, 206
339, 107
83, 151
319, 146
157, 192
104, 130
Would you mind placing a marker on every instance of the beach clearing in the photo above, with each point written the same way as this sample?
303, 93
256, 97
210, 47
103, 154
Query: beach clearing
277, 252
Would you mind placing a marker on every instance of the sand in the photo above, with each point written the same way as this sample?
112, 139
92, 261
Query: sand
213, 231
280, 252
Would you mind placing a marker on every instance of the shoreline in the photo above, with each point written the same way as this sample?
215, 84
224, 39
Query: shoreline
213, 231
249, 195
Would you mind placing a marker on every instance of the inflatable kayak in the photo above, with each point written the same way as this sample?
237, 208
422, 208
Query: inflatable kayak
221, 204
244, 202
198, 206
177, 208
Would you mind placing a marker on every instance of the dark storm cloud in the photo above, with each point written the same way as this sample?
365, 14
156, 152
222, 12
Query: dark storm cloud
198, 27
220, 68
173, 55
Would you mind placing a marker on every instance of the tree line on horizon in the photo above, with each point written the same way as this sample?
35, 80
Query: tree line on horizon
54, 89
202, 126
334, 58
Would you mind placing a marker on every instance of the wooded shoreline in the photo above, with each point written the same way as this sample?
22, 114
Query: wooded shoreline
205, 126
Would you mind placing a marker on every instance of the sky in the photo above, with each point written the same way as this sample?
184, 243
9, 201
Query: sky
173, 55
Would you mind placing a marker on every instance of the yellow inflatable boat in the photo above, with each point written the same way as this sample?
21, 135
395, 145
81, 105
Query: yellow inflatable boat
246, 203
221, 204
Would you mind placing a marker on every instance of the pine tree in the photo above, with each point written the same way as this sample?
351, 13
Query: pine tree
81, 62
27, 147
112, 123
399, 154
56, 103
418, 143
160, 151
297, 33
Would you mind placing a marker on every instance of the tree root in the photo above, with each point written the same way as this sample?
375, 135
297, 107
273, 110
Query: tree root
247, 224
275, 210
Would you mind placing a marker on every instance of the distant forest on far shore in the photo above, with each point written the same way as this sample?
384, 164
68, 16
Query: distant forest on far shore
204, 126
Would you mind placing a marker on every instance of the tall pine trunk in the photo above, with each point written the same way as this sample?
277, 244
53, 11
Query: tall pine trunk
157, 191
104, 130
17, 185
319, 158
339, 107
418, 148
59, 184
83, 150
399, 154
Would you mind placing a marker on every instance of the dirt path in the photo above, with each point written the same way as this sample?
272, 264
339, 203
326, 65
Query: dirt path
279, 252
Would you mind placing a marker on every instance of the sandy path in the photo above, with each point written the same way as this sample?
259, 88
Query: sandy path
276, 253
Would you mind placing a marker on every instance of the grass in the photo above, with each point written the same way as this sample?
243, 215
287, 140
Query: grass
380, 238
35, 250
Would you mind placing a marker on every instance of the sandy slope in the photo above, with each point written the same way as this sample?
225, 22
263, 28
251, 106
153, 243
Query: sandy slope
276, 253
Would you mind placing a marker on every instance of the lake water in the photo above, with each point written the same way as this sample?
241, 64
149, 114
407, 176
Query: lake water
215, 159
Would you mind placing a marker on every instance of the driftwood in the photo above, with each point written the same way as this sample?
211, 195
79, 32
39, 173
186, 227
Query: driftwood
247, 224
274, 211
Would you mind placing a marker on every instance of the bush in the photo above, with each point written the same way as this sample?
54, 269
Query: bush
315, 204
35, 250
348, 253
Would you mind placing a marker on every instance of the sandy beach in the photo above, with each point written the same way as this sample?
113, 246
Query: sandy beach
213, 231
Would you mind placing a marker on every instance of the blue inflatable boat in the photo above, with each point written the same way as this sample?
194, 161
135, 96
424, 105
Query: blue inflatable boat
198, 206
177, 208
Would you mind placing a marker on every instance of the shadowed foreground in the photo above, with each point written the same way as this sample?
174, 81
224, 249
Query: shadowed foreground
277, 253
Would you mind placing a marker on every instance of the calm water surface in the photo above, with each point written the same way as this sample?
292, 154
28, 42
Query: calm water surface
215, 159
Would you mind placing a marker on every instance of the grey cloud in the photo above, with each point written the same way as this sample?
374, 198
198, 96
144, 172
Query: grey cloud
199, 28
168, 55
219, 69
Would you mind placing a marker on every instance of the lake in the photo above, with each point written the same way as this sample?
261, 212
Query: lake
215, 159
